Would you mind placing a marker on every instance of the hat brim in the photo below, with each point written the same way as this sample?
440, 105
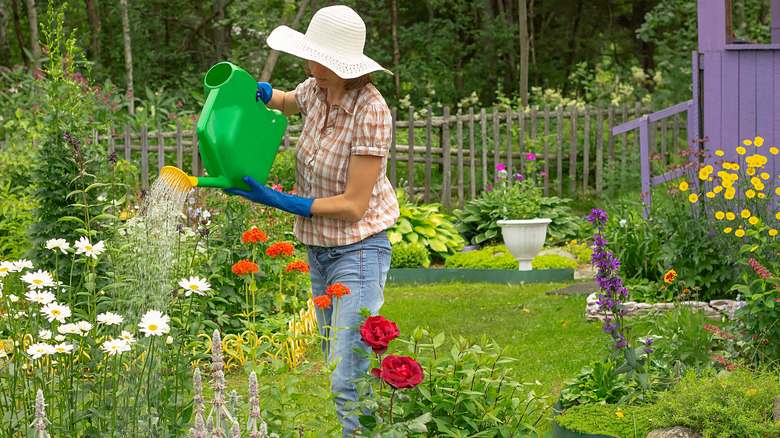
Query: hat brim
285, 39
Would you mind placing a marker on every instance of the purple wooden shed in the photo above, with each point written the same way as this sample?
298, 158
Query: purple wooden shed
736, 92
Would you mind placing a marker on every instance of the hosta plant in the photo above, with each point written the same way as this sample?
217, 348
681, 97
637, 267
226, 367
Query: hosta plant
427, 225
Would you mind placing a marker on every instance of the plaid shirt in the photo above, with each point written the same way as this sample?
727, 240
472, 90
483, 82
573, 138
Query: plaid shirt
361, 125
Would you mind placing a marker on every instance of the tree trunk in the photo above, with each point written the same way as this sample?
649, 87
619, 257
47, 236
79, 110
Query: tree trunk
5, 43
19, 34
489, 44
396, 49
128, 55
522, 16
573, 44
94, 30
221, 35
32, 18
510, 72
270, 63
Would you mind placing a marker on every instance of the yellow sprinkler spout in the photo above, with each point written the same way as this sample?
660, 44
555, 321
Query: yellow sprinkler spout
177, 179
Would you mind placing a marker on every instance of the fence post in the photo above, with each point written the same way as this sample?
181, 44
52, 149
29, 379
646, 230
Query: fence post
179, 146
160, 149
599, 149
410, 163
559, 163
611, 166
586, 153
483, 127
144, 159
428, 154
472, 155
521, 140
195, 155
573, 152
546, 150
509, 140
393, 151
624, 159
459, 134
446, 170
496, 142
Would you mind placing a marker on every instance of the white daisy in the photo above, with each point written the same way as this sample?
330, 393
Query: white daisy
110, 318
38, 280
22, 264
39, 350
128, 337
69, 329
44, 334
40, 297
154, 323
58, 244
195, 284
83, 246
84, 326
63, 348
59, 338
56, 311
13, 298
115, 346
6, 268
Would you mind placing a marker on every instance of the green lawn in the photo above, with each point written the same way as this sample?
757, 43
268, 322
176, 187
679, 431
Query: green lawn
548, 334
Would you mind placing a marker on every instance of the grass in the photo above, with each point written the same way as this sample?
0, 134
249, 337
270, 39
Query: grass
547, 333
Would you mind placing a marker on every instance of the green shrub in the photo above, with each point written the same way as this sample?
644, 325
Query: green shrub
410, 255
492, 257
564, 224
553, 261
283, 170
737, 405
625, 421
16, 215
426, 225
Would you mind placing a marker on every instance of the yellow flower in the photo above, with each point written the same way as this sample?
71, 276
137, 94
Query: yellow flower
759, 186
730, 192
693, 198
720, 215
750, 194
774, 150
734, 166
739, 233
683, 186
741, 150
777, 216
764, 175
717, 189
704, 172
750, 171
761, 196
758, 141
726, 166
727, 230
719, 153
777, 191
773, 232
710, 195
755, 181
745, 213
619, 414
753, 220
747, 142
751, 250
730, 216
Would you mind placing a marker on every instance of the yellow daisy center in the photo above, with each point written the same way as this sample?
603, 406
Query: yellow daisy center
152, 327
194, 286
55, 312
88, 248
37, 281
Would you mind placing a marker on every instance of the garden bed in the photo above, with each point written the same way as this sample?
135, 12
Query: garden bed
501, 276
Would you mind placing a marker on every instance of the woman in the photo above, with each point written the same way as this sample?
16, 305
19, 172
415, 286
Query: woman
345, 202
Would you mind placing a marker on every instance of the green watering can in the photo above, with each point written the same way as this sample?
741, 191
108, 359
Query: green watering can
238, 136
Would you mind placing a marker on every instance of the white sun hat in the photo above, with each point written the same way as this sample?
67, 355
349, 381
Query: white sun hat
335, 38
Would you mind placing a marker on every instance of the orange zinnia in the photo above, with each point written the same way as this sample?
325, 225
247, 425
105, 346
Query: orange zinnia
337, 290
245, 267
253, 235
297, 265
322, 302
669, 277
283, 248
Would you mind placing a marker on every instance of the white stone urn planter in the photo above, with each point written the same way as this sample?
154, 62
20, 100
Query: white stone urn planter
524, 238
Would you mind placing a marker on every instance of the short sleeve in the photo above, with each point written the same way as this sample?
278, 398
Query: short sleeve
304, 94
372, 131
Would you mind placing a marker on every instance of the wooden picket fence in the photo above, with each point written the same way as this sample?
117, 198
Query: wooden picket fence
453, 156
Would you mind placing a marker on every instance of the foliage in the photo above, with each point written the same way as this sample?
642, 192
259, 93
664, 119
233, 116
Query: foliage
579, 250
478, 220
16, 216
597, 383
473, 389
283, 171
553, 261
761, 312
564, 224
426, 225
606, 419
490, 257
683, 342
410, 255
737, 404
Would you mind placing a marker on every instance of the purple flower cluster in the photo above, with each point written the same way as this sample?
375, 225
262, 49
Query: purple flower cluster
612, 293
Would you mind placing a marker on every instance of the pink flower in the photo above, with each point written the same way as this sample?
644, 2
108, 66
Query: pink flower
543, 174
530, 156
518, 177
489, 187
500, 167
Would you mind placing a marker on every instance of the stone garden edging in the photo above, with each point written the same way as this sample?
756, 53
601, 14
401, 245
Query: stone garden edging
713, 310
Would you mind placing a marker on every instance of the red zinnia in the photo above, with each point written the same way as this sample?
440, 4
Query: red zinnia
245, 267
322, 302
297, 265
337, 290
253, 235
283, 248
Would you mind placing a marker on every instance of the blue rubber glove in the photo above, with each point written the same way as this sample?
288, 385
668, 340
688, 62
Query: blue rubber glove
263, 195
264, 92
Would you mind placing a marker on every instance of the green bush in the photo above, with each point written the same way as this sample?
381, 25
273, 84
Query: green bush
410, 255
738, 404
283, 171
427, 225
564, 224
625, 421
16, 215
492, 257
553, 261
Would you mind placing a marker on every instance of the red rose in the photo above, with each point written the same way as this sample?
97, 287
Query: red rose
400, 372
377, 332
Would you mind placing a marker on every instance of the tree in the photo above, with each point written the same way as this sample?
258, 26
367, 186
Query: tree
128, 53
32, 18
273, 56
522, 15
94, 29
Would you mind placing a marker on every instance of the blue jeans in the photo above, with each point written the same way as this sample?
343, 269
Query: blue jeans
362, 267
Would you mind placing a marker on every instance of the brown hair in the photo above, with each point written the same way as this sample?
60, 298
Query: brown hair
358, 82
